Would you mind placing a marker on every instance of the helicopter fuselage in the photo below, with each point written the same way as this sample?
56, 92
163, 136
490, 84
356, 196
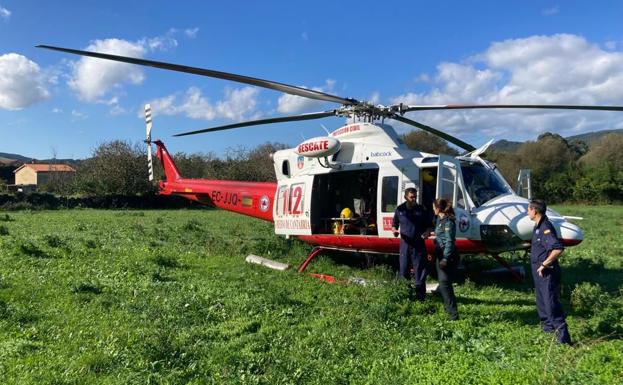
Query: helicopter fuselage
367, 176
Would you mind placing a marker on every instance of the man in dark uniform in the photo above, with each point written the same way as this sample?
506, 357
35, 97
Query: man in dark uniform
412, 220
544, 252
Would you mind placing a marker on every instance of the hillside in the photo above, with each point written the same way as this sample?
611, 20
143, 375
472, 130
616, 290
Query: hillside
6, 157
589, 138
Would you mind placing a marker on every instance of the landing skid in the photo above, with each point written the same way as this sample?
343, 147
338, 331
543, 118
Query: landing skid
317, 250
518, 277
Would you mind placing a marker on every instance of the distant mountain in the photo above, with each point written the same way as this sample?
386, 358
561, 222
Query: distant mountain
590, 138
6, 157
505, 146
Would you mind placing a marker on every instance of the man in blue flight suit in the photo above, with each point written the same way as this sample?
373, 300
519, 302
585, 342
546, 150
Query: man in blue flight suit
410, 222
544, 252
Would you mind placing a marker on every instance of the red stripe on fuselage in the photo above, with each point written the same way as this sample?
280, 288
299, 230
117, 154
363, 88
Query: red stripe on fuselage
368, 243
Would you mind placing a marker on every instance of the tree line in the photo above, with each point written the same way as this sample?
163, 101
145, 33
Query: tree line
562, 170
120, 168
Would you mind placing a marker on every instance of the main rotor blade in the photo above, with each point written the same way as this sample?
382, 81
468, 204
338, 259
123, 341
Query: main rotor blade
288, 89
310, 116
404, 109
443, 135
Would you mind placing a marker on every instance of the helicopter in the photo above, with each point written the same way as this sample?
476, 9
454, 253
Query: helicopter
340, 191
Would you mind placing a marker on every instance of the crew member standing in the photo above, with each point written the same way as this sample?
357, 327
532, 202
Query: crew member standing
446, 254
410, 222
544, 252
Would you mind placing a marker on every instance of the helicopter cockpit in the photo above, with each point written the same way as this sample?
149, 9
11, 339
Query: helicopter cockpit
483, 182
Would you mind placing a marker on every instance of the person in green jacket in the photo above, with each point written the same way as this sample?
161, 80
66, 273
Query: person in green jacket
446, 255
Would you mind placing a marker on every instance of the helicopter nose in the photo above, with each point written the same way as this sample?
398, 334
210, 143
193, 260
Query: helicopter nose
570, 233
512, 211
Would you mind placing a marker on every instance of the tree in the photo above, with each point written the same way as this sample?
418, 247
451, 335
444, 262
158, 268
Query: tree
602, 171
553, 162
197, 165
116, 167
508, 163
424, 142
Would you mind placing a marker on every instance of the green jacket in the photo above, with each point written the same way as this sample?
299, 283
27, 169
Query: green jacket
445, 235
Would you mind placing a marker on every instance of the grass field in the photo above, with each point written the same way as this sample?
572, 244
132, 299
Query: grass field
165, 297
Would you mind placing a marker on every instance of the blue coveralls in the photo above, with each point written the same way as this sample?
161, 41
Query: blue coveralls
547, 287
412, 223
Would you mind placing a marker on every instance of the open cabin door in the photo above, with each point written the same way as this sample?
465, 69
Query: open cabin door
394, 178
292, 207
450, 186
388, 198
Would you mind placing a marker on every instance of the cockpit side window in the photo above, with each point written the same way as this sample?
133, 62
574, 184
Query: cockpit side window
482, 184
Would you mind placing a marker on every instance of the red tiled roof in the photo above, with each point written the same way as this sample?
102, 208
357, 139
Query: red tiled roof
46, 167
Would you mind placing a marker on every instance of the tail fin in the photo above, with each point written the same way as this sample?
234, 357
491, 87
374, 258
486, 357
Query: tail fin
148, 124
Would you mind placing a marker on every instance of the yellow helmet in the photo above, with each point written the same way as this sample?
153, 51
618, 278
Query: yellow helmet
346, 213
427, 176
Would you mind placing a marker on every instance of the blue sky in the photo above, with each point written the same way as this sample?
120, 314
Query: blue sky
413, 52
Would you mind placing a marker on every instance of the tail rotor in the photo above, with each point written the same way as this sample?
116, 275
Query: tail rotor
148, 123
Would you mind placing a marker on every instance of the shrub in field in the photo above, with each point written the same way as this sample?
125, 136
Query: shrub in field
6, 218
4, 230
608, 320
90, 244
87, 287
54, 240
4, 310
192, 225
31, 249
166, 261
605, 311
586, 298
16, 206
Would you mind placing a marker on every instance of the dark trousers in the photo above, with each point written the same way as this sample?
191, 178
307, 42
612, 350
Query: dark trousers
445, 277
414, 254
547, 289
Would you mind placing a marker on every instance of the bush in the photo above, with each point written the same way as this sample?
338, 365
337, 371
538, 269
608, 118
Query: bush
605, 311
586, 298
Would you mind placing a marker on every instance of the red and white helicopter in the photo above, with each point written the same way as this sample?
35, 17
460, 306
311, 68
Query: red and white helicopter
365, 167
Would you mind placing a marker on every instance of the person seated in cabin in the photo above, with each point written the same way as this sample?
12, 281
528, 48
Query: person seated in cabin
351, 222
364, 207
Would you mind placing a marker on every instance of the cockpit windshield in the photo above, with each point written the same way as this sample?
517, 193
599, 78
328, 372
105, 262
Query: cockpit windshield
481, 182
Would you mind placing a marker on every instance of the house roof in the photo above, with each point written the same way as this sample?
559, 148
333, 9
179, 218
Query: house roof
46, 167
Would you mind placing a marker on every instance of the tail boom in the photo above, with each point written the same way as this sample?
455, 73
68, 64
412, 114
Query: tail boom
254, 199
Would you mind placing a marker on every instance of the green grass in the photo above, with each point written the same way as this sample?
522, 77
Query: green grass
165, 297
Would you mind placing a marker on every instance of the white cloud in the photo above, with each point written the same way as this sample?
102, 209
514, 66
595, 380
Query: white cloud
77, 115
117, 110
93, 78
292, 104
21, 82
558, 69
550, 11
5, 14
161, 43
57, 111
191, 33
238, 104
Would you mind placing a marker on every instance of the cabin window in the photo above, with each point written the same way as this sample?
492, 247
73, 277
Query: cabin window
389, 194
285, 168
